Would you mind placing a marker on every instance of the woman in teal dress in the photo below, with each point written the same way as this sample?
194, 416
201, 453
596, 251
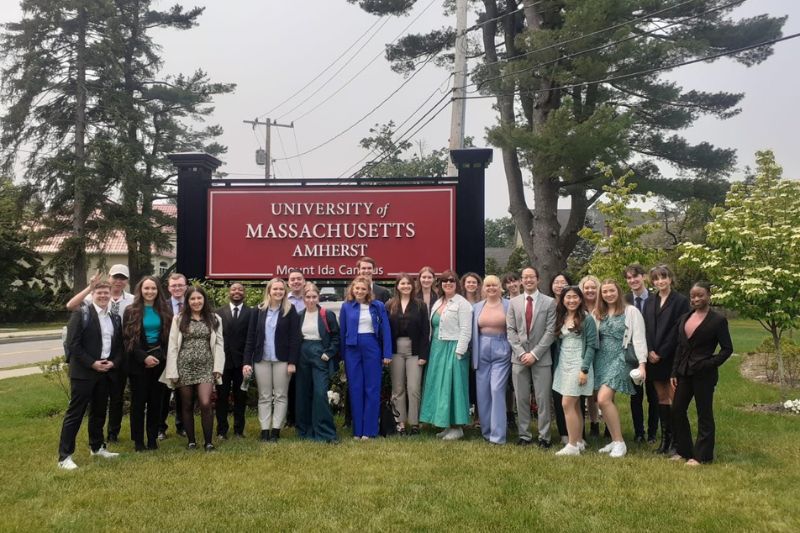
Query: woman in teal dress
573, 378
445, 399
621, 325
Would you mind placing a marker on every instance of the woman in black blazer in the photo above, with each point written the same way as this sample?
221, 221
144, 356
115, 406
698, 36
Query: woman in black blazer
408, 318
694, 373
273, 361
662, 312
145, 333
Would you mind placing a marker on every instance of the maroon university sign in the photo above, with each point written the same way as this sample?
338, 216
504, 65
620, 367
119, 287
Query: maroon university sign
258, 233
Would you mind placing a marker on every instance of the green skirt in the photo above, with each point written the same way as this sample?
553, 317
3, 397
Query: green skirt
445, 397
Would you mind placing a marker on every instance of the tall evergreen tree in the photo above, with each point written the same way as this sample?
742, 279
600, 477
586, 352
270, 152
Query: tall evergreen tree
578, 82
54, 57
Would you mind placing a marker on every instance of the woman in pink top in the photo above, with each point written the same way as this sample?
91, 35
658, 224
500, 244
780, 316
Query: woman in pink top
491, 359
695, 374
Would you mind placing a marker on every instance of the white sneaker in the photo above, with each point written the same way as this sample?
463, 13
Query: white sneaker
607, 448
104, 453
619, 449
67, 464
582, 445
443, 433
454, 434
569, 449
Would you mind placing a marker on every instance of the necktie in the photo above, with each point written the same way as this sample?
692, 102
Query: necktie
639, 304
115, 308
529, 313
236, 312
180, 307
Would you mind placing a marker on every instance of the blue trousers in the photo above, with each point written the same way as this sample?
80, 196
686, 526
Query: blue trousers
362, 363
491, 379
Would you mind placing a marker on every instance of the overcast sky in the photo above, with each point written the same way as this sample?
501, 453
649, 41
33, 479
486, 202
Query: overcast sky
272, 48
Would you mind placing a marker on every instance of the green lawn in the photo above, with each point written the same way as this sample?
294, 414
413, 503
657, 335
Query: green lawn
401, 484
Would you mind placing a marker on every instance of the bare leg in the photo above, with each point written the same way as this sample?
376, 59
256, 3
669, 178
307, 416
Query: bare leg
605, 398
573, 417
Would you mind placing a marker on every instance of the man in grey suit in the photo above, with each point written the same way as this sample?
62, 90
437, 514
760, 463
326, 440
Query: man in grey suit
531, 322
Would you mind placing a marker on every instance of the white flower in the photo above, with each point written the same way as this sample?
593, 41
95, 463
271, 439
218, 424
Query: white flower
792, 405
333, 398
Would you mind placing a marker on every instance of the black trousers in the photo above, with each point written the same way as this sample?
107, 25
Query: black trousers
700, 386
116, 398
91, 393
637, 410
231, 383
291, 403
146, 397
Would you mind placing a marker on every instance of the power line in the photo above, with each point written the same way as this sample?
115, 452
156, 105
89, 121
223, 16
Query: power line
333, 77
481, 83
318, 76
597, 32
361, 70
648, 71
297, 149
283, 151
370, 112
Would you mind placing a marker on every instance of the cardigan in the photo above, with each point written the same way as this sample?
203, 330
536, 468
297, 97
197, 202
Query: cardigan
589, 338
216, 346
476, 333
287, 337
418, 325
455, 323
696, 354
635, 332
348, 326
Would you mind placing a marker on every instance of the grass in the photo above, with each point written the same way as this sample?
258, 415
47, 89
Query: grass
400, 484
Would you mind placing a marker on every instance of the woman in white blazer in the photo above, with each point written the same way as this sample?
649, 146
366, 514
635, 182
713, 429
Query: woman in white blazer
445, 400
195, 361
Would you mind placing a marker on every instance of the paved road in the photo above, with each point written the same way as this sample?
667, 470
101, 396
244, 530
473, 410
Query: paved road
30, 352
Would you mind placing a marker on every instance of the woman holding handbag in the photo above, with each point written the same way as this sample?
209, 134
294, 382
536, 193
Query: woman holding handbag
145, 334
622, 338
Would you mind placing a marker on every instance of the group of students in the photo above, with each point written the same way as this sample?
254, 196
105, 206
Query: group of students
449, 343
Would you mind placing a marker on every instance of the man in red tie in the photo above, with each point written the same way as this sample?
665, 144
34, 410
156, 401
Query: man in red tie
531, 321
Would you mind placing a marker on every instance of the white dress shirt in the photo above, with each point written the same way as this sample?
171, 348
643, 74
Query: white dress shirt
106, 330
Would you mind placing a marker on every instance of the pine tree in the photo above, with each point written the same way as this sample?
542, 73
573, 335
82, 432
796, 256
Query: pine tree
544, 66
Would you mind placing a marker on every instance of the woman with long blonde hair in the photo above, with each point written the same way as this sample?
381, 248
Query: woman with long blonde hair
272, 352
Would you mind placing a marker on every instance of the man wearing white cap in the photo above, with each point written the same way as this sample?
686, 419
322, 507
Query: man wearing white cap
120, 299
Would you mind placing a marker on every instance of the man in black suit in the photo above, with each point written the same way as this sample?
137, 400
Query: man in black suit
95, 349
634, 276
235, 323
366, 268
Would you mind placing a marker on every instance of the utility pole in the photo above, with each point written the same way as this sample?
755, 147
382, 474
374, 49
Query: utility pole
459, 84
269, 124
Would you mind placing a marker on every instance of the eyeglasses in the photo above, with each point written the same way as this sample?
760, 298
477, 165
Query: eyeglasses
448, 280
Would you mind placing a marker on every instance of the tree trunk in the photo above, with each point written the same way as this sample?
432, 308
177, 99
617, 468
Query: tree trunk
776, 339
80, 209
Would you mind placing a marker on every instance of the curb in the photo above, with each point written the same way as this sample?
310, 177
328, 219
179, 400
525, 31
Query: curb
28, 338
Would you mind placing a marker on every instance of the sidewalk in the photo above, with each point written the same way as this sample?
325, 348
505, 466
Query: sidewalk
18, 372
22, 335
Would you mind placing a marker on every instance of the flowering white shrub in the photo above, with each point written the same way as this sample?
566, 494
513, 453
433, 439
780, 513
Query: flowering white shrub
333, 398
793, 406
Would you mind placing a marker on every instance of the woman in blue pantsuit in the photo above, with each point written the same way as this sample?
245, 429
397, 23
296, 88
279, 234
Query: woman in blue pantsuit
318, 351
366, 343
491, 358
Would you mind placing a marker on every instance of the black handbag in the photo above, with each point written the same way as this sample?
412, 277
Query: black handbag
630, 356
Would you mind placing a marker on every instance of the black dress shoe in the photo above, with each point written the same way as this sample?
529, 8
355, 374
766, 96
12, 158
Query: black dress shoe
139, 447
543, 443
181, 432
152, 445
639, 439
523, 442
264, 435
651, 439
209, 447
112, 438
276, 435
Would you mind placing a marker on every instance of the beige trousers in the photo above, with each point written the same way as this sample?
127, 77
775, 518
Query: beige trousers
272, 379
406, 383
